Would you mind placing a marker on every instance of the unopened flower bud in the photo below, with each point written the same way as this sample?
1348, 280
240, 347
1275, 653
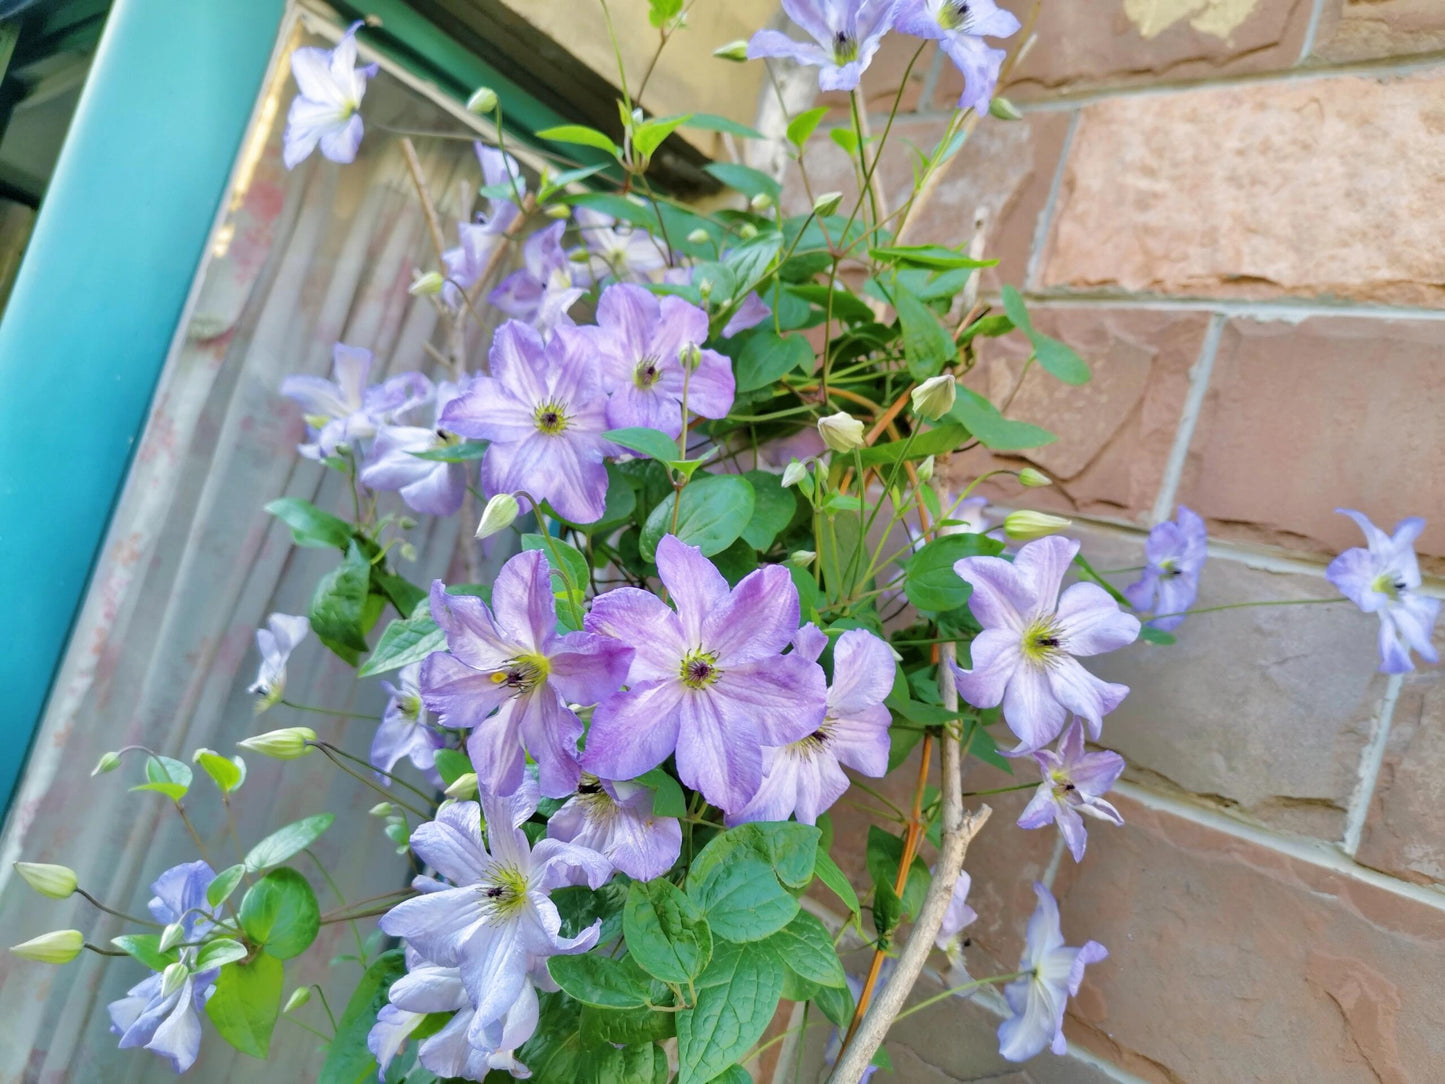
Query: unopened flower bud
704, 288
747, 231
579, 255
499, 514
841, 431
690, 356
1023, 526
57, 882
925, 470
794, 473
1034, 478
427, 284
802, 558
464, 786
733, 50
299, 996
288, 743
406, 523
827, 203
1004, 109
934, 397
482, 101
698, 236
108, 762
556, 210
381, 809
407, 551
56, 947
173, 977
171, 936
761, 202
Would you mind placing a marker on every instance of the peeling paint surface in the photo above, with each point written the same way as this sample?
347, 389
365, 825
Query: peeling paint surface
1217, 18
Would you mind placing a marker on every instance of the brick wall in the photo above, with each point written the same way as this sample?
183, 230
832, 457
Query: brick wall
1235, 209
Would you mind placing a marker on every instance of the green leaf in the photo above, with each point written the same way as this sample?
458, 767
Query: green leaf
801, 127
165, 775
882, 855
404, 641
932, 584
932, 257
662, 12
1150, 635
788, 848
711, 513
744, 901
650, 442
309, 525
574, 564
648, 136
806, 947
713, 123
284, 842
666, 932
845, 138
601, 981
403, 594
224, 883
750, 261
887, 911
992, 429
559, 181
466, 451
1057, 358
145, 947
773, 508
846, 307
624, 1026
926, 344
734, 1074
836, 1004
279, 913
348, 1061
223, 950
581, 135
990, 327
338, 604
228, 773
766, 357
750, 182
452, 765
640, 1064
828, 872
736, 998
667, 797
246, 1003
936, 441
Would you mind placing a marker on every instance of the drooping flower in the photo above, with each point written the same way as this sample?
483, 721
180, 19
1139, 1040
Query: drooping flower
1174, 554
167, 1021
959, 26
433, 487
545, 287
752, 312
616, 820
1384, 579
283, 632
958, 915
1024, 657
481, 237
617, 251
845, 36
707, 680
404, 731
1037, 1000
640, 341
543, 409
509, 658
1074, 783
345, 409
806, 777
496, 917
331, 87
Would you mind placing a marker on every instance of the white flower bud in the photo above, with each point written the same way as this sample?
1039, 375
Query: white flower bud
171, 936
761, 202
482, 101
794, 473
299, 996
841, 431
801, 558
1034, 478
108, 762
733, 50
464, 786
827, 203
747, 231
57, 882
499, 514
288, 743
557, 210
925, 470
56, 947
934, 397
427, 284
1023, 526
173, 978
381, 809
699, 236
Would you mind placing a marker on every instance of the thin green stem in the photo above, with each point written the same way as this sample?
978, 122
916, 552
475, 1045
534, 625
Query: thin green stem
954, 991
325, 1005
336, 891
118, 914
999, 790
423, 795
372, 783
308, 1027
328, 711
1243, 605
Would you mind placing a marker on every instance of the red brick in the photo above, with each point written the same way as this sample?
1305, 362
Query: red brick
1302, 419
1370, 29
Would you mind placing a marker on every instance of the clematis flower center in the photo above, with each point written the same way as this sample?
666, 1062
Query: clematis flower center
1390, 584
845, 47
522, 674
813, 744
1042, 641
648, 372
551, 418
410, 707
504, 891
699, 669
955, 15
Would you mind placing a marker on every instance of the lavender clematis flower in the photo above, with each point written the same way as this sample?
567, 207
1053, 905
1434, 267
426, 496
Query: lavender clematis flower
543, 410
959, 26
169, 1023
430, 486
545, 287
806, 777
617, 251
1024, 657
404, 731
325, 111
276, 642
344, 409
1383, 579
958, 916
639, 342
1074, 782
845, 36
752, 312
510, 659
496, 918
707, 680
616, 819
1037, 1001
1174, 554
481, 238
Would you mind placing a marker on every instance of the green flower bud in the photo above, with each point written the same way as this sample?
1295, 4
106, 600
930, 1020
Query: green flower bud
699, 236
1023, 526
794, 473
925, 470
761, 202
426, 285
827, 203
108, 762
557, 210
1034, 478
299, 996
841, 431
381, 809
463, 787
934, 397
499, 514
690, 356
56, 947
173, 977
1004, 109
57, 882
482, 101
171, 936
288, 743
801, 558
747, 231
733, 50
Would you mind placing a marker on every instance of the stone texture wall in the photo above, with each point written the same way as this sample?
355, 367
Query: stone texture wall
1235, 209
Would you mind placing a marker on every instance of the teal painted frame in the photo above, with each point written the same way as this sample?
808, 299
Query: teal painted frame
97, 301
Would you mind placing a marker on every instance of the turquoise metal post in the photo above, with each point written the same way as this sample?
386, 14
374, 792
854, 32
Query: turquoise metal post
97, 301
